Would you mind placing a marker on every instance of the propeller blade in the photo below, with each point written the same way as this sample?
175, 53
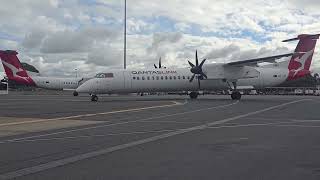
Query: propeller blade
192, 65
204, 75
160, 63
192, 77
197, 70
197, 62
202, 63
155, 66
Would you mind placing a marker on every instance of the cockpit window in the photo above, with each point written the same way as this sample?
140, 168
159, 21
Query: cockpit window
104, 75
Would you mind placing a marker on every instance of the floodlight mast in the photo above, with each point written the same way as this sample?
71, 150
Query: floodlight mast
125, 36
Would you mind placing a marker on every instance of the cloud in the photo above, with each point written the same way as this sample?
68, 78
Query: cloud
164, 39
76, 41
105, 57
234, 52
88, 34
138, 26
33, 39
223, 52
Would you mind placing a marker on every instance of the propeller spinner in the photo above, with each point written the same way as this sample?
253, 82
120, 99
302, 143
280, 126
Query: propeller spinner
197, 70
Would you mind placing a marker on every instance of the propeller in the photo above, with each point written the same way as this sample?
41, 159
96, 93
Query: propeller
197, 70
155, 66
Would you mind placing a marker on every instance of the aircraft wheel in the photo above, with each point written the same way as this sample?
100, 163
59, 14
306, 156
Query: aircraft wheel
236, 95
193, 95
75, 93
94, 98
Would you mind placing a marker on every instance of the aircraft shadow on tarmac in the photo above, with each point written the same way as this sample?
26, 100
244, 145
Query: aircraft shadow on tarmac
200, 99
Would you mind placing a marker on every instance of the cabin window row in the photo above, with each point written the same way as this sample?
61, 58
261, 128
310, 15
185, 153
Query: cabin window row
160, 77
69, 83
279, 75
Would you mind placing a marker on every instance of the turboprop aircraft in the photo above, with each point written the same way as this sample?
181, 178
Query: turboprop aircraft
201, 76
15, 72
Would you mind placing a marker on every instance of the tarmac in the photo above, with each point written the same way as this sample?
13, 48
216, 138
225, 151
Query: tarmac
159, 137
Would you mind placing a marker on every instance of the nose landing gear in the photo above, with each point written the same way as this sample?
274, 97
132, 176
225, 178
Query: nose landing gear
235, 95
193, 95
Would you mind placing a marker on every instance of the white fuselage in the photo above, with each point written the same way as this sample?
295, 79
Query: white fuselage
170, 80
56, 83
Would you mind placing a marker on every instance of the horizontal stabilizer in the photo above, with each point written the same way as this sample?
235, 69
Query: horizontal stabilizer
301, 36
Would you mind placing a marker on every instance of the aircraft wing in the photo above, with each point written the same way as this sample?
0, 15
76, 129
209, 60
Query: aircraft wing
254, 62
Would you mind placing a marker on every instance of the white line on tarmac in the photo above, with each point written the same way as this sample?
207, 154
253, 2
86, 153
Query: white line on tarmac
28, 101
285, 124
289, 119
306, 120
296, 125
250, 125
94, 114
89, 136
280, 124
121, 123
73, 159
177, 122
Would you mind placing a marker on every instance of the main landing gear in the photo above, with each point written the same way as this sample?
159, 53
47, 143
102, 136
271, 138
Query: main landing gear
193, 95
94, 98
235, 95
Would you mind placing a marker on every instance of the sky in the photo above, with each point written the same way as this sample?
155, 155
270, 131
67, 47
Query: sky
60, 37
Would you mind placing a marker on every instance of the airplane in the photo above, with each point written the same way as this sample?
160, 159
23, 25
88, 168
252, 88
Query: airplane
219, 76
15, 72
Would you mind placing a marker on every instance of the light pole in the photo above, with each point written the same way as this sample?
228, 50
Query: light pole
125, 36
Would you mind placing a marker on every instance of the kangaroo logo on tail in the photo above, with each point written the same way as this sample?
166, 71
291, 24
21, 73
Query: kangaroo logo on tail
13, 68
300, 62
298, 65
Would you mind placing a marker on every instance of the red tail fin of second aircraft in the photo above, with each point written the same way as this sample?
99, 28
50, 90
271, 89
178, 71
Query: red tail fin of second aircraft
299, 65
13, 68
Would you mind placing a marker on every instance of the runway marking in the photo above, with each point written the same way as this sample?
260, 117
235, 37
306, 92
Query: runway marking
289, 119
89, 136
284, 124
306, 120
296, 125
121, 123
30, 101
280, 124
93, 114
73, 159
249, 125
177, 122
